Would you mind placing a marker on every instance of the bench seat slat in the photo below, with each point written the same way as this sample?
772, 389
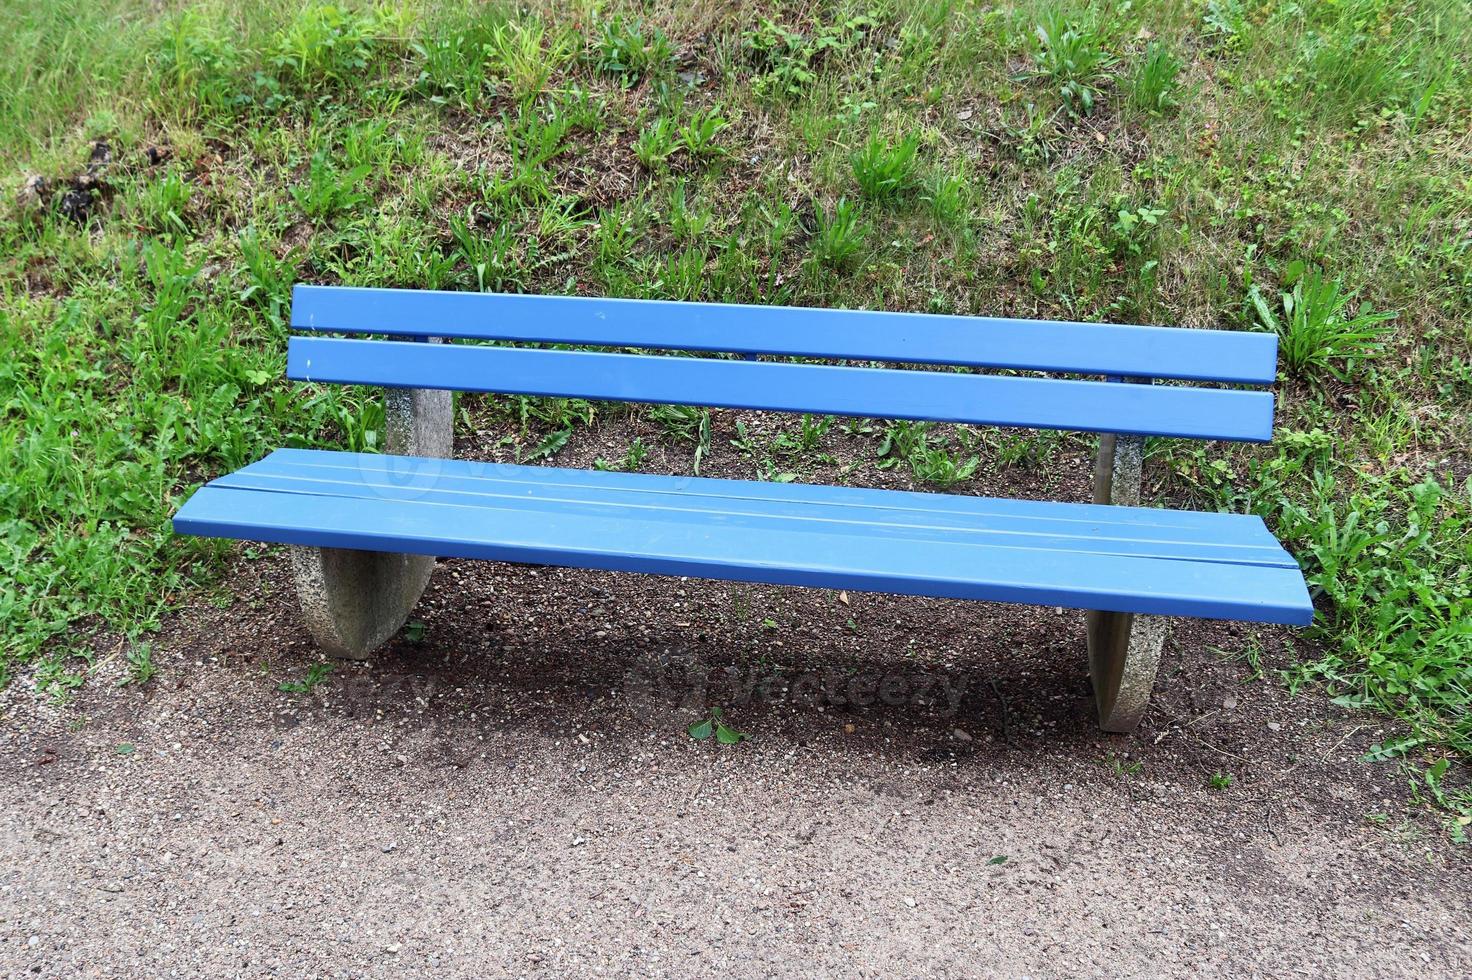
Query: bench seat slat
1234, 539
785, 552
914, 338
1046, 403
1235, 528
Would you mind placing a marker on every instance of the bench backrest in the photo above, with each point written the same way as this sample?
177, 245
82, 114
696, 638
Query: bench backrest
947, 395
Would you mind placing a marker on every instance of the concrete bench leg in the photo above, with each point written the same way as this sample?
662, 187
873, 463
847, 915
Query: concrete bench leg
354, 601
1124, 648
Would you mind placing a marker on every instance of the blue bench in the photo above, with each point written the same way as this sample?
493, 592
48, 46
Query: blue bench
365, 528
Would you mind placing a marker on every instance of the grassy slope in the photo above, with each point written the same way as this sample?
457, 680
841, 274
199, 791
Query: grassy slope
1067, 173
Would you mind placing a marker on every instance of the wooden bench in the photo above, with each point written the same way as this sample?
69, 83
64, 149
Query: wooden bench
362, 525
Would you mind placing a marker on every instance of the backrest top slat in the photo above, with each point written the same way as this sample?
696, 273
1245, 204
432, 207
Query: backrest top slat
863, 335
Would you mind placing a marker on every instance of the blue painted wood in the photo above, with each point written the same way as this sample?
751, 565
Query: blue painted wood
916, 338
411, 469
787, 552
1141, 532
417, 470
819, 389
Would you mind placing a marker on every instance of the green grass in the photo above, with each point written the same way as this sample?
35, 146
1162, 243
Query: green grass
1071, 54
1300, 168
1155, 80
883, 170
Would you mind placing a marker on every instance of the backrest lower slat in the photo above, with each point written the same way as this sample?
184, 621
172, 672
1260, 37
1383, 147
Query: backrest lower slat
913, 338
942, 396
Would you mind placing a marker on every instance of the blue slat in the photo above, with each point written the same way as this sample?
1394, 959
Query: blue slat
418, 470
820, 389
756, 521
658, 545
916, 338
1090, 528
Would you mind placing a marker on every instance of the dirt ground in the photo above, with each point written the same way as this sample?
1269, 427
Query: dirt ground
509, 789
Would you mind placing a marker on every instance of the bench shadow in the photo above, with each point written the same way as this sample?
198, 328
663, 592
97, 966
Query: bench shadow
555, 652
513, 655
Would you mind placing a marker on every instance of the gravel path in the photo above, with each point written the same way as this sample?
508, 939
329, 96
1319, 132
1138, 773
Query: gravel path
514, 793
